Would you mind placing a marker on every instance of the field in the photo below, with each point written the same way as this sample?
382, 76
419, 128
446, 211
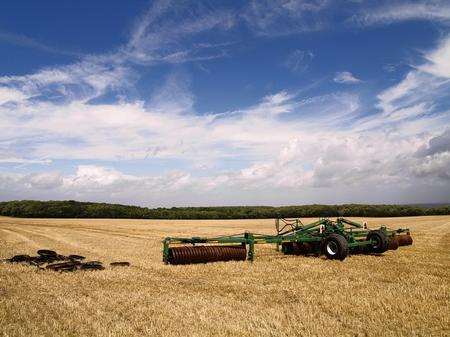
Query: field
402, 293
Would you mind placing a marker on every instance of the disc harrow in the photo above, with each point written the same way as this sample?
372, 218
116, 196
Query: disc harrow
334, 239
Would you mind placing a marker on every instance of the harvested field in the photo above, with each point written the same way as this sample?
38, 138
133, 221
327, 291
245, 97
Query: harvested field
403, 293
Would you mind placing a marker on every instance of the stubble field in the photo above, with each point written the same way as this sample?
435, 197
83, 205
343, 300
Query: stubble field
402, 293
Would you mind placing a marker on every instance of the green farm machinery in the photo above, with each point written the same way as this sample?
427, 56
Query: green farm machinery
336, 239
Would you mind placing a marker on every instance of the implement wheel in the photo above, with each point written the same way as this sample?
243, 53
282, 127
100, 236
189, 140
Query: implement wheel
335, 247
381, 242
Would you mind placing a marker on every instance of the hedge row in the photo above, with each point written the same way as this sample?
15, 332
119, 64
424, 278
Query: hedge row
75, 209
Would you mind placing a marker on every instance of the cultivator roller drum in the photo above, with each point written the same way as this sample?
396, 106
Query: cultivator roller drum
204, 254
404, 240
393, 243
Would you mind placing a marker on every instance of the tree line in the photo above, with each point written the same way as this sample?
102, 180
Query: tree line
76, 209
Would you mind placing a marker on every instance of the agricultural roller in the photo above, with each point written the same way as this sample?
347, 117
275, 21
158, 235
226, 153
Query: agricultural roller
335, 239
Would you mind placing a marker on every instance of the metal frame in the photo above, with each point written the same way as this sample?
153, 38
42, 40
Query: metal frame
291, 230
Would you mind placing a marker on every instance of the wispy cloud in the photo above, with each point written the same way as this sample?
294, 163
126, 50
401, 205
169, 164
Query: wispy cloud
280, 17
426, 83
161, 35
420, 96
275, 17
438, 61
346, 77
82, 81
299, 60
392, 12
164, 33
24, 161
25, 41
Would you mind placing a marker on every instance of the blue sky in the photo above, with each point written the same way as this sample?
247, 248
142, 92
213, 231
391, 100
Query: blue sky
169, 103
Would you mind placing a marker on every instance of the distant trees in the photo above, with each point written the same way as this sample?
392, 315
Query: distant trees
76, 209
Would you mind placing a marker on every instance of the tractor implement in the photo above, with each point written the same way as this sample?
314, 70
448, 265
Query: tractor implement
335, 239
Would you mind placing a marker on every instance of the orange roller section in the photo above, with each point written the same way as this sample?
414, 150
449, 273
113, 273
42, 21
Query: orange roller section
204, 254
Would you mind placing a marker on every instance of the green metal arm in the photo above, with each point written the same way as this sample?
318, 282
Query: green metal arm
350, 222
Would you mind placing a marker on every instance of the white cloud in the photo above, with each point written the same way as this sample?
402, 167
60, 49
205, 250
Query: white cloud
279, 17
91, 182
164, 33
91, 176
436, 165
321, 161
438, 61
287, 143
174, 95
24, 161
43, 181
11, 95
391, 12
299, 60
395, 93
438, 144
85, 80
346, 77
417, 97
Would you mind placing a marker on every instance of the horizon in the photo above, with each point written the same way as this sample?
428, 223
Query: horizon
269, 103
425, 205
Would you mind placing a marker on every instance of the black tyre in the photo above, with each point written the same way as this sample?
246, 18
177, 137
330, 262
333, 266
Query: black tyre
76, 257
381, 242
89, 266
335, 247
20, 258
64, 266
39, 260
47, 259
97, 263
46, 252
120, 264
